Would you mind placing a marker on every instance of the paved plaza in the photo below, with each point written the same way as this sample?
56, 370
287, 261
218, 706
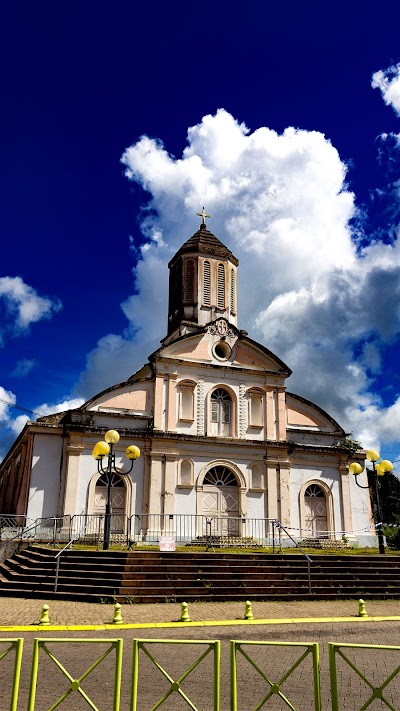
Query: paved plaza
376, 665
21, 611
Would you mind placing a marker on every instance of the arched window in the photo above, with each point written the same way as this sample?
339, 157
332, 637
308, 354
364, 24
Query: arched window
188, 291
221, 287
232, 291
221, 412
314, 491
207, 283
220, 476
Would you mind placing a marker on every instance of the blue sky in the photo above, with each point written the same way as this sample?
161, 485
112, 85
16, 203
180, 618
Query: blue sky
121, 120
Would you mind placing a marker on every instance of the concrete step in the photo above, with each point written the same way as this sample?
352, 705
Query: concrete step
154, 576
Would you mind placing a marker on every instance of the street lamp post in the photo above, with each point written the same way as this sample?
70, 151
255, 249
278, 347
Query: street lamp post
103, 449
379, 469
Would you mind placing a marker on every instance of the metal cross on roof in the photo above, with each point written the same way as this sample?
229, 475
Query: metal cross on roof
203, 215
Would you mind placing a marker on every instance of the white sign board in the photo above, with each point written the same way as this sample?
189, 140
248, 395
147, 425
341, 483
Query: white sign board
167, 543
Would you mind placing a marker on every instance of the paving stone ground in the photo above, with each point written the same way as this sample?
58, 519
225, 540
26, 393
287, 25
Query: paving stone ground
21, 611
375, 665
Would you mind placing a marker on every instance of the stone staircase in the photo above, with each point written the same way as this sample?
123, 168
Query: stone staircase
151, 576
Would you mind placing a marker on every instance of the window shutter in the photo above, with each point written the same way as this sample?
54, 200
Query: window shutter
221, 286
214, 411
226, 413
233, 295
207, 283
189, 281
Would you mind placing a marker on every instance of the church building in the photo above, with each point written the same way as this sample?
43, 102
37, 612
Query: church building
222, 440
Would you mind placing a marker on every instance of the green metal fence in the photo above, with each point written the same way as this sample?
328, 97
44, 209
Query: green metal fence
275, 687
75, 685
13, 646
213, 647
377, 692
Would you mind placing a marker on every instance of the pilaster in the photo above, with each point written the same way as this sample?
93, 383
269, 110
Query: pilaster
155, 483
347, 524
170, 483
243, 402
270, 418
171, 412
284, 486
281, 413
272, 489
158, 401
74, 451
200, 407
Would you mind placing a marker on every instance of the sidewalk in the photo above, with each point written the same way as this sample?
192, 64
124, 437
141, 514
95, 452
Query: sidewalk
21, 611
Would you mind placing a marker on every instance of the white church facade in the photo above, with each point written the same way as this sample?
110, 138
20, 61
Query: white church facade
221, 438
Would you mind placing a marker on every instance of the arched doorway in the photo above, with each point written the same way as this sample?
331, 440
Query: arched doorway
220, 500
315, 512
118, 500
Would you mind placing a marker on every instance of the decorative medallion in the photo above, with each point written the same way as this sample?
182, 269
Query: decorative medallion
220, 327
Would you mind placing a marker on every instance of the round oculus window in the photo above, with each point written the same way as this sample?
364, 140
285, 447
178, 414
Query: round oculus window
222, 350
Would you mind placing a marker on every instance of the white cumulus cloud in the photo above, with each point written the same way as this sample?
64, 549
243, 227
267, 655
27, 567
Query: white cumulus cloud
23, 367
13, 423
67, 404
22, 305
280, 202
388, 81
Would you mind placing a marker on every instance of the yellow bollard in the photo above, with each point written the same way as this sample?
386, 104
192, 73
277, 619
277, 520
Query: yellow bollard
248, 613
117, 619
44, 617
185, 613
361, 609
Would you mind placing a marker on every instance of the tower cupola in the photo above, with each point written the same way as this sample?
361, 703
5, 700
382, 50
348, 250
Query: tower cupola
202, 283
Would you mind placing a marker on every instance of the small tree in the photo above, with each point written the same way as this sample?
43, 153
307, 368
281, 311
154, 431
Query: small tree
351, 445
389, 497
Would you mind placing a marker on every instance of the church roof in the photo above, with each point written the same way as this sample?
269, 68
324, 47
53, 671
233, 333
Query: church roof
205, 242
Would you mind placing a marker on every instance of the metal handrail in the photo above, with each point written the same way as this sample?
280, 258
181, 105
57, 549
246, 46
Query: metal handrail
33, 526
57, 557
309, 561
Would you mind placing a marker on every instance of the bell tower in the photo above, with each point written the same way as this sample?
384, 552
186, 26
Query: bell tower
202, 283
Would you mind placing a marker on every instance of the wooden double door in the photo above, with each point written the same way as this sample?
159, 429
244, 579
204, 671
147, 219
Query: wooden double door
221, 502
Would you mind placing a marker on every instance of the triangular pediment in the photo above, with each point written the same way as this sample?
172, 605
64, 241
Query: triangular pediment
241, 351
